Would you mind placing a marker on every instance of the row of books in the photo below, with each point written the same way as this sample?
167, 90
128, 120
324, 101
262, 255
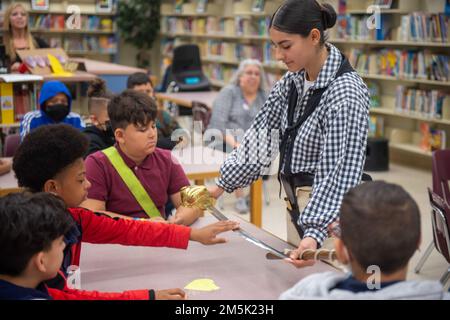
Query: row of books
424, 27
239, 26
102, 44
233, 51
408, 64
252, 27
385, 4
426, 103
58, 22
354, 27
218, 72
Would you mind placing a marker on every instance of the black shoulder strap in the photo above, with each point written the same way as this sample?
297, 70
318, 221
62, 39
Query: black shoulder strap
287, 140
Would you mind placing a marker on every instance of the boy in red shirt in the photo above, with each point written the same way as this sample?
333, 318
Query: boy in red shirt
50, 159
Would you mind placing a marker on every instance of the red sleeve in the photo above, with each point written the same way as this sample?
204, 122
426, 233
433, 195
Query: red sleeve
71, 294
102, 229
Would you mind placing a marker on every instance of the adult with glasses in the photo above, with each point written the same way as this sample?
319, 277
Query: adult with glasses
236, 107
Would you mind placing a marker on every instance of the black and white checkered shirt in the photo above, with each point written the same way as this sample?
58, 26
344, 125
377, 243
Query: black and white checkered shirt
330, 144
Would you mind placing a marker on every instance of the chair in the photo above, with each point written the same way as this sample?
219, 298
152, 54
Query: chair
187, 70
440, 218
440, 178
12, 142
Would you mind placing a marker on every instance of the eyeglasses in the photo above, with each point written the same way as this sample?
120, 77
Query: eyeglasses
251, 73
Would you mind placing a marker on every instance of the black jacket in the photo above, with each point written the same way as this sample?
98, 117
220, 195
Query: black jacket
98, 139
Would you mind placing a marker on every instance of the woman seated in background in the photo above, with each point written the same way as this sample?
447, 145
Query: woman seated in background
236, 107
17, 35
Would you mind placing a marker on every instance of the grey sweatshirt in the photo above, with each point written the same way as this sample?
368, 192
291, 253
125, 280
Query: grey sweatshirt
320, 287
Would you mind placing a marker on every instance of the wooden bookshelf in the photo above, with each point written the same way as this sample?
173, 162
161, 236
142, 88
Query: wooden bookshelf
231, 15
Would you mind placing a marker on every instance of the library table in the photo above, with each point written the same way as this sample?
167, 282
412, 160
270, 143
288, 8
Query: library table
238, 267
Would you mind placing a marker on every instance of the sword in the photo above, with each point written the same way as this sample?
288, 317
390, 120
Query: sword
199, 197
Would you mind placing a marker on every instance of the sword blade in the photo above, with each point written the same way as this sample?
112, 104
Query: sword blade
221, 217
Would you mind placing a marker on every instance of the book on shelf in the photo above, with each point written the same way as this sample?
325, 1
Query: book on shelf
178, 6
22, 101
385, 4
6, 103
374, 93
201, 6
376, 127
431, 138
258, 5
342, 6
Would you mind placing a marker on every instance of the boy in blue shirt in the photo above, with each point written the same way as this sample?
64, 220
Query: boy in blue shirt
55, 103
32, 228
379, 231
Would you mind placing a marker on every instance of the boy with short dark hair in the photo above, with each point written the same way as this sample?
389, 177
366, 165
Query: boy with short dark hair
32, 228
165, 123
379, 232
135, 178
50, 159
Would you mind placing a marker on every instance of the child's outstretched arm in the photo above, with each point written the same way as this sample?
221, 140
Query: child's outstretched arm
207, 235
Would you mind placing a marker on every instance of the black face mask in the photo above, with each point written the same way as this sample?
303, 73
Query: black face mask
57, 112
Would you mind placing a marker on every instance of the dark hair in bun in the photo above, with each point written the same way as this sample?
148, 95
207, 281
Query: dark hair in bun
329, 16
97, 89
301, 16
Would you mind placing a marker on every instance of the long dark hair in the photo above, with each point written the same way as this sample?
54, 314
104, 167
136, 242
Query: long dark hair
301, 16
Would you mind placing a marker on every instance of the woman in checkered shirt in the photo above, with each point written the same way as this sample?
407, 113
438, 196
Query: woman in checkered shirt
325, 136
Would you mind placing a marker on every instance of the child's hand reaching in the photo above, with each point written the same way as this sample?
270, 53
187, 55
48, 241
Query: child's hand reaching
207, 235
170, 294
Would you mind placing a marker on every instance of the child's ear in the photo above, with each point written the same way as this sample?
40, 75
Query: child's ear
51, 186
341, 251
39, 261
119, 135
93, 119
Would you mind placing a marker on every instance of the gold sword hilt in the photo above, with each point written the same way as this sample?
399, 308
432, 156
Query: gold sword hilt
196, 197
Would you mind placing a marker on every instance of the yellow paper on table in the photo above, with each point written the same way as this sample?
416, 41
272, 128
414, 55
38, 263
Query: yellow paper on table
57, 68
202, 285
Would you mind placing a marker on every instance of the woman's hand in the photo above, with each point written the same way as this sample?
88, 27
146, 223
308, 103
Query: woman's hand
215, 191
306, 243
15, 67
